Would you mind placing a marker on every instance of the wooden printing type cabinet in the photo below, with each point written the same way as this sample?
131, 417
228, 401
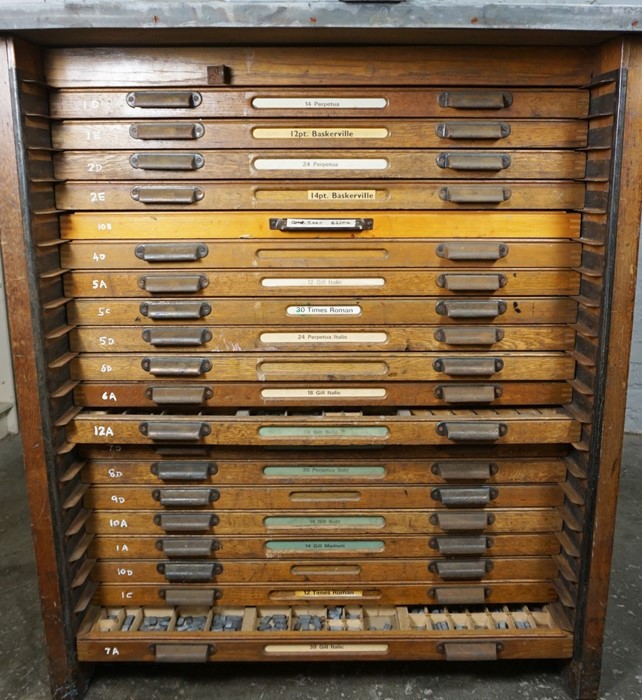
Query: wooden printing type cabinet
461, 269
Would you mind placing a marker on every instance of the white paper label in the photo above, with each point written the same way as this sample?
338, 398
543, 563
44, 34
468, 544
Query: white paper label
324, 337
325, 648
342, 195
305, 132
352, 310
320, 163
319, 102
323, 282
316, 393
324, 224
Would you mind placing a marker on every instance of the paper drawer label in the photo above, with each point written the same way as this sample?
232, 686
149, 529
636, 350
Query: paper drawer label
348, 431
324, 337
316, 470
325, 545
328, 593
319, 102
344, 310
327, 195
317, 393
343, 521
323, 282
320, 163
326, 648
301, 132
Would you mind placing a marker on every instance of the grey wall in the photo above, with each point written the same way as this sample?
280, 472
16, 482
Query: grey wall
634, 402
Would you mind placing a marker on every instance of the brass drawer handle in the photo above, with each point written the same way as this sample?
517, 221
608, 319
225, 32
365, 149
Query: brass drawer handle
471, 283
173, 284
186, 522
160, 337
471, 250
163, 100
161, 130
186, 498
462, 521
183, 395
460, 595
166, 161
158, 430
175, 310
183, 471
472, 432
461, 546
176, 366
473, 470
474, 161
469, 336
478, 194
461, 570
473, 130
159, 194
463, 497
468, 366
475, 99
336, 225
470, 309
171, 252
187, 546
190, 572
470, 651
182, 653
190, 597
468, 393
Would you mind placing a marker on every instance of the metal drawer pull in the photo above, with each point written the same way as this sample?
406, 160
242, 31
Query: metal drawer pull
475, 99
299, 225
470, 432
470, 309
187, 546
171, 252
189, 597
182, 653
163, 100
464, 498
470, 651
461, 546
187, 471
464, 470
474, 161
183, 395
166, 161
473, 130
160, 130
189, 572
479, 194
160, 337
176, 366
175, 310
186, 522
471, 283
468, 393
469, 336
461, 570
464, 595
471, 250
185, 498
462, 521
167, 195
173, 284
468, 366
174, 431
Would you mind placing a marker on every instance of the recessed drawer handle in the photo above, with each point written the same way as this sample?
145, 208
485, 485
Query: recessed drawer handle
176, 366
474, 161
480, 194
460, 595
189, 597
461, 546
158, 430
189, 572
160, 337
171, 252
473, 130
471, 283
464, 498
185, 498
470, 309
468, 393
166, 161
337, 225
186, 522
472, 432
464, 470
183, 471
462, 521
164, 395
465, 366
173, 284
471, 250
475, 99
187, 546
460, 570
176, 310
160, 130
470, 651
183, 653
469, 336
164, 100
167, 195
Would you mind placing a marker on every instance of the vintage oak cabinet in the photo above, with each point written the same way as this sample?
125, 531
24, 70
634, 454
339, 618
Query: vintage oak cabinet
321, 345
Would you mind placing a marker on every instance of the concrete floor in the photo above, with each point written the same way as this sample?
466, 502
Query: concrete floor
24, 676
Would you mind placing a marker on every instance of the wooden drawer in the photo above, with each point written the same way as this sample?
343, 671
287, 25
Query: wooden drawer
209, 283
325, 311
249, 339
312, 194
135, 134
325, 230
